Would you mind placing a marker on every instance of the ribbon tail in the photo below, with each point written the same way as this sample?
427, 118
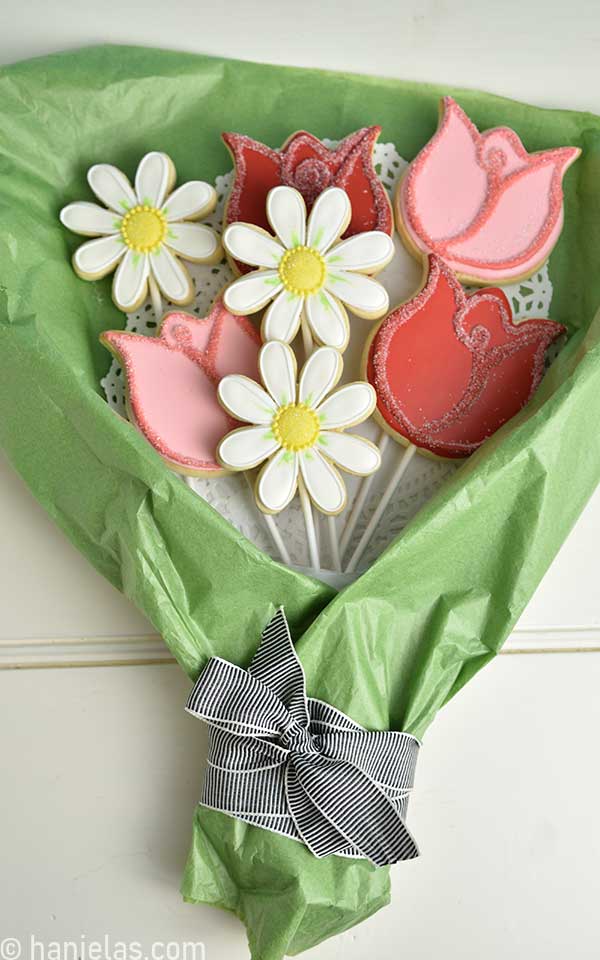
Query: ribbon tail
349, 802
230, 698
316, 831
276, 664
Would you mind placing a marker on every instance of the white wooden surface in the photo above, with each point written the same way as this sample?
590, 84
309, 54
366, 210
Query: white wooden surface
101, 765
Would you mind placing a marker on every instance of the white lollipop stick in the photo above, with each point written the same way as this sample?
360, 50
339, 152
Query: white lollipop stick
269, 521
308, 345
361, 498
277, 539
271, 527
155, 297
394, 480
307, 340
309, 523
333, 542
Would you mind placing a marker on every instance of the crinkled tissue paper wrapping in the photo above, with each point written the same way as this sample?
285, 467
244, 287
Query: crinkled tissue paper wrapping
393, 647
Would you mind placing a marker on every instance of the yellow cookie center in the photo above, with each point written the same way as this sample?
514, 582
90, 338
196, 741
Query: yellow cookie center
296, 427
144, 228
302, 270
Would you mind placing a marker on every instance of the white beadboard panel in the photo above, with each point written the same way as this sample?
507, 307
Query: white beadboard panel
55, 593
543, 52
103, 767
48, 588
37, 653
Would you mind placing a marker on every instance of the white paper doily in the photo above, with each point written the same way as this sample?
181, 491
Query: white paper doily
231, 495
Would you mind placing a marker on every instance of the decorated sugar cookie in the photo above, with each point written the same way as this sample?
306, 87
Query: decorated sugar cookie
297, 428
304, 162
172, 382
450, 369
142, 230
304, 270
491, 210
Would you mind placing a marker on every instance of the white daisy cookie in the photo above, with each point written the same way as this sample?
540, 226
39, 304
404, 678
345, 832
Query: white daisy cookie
306, 270
296, 428
142, 230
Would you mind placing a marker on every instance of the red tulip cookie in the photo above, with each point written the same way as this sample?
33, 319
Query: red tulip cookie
491, 210
308, 165
450, 369
172, 382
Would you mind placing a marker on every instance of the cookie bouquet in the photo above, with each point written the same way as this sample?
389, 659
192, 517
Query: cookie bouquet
348, 423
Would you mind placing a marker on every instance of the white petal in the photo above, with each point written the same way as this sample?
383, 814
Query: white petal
89, 219
190, 201
194, 241
252, 245
112, 187
131, 281
319, 376
245, 399
365, 252
349, 405
286, 212
171, 276
96, 258
251, 292
247, 447
277, 482
282, 319
323, 483
329, 218
352, 453
365, 297
328, 320
154, 177
278, 370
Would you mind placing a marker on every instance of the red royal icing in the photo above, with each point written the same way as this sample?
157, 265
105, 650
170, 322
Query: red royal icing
450, 369
172, 382
308, 165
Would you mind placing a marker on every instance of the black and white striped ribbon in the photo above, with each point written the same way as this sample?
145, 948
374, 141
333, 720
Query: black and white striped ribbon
297, 766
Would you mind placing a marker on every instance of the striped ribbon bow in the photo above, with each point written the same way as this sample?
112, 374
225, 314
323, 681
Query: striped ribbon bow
297, 766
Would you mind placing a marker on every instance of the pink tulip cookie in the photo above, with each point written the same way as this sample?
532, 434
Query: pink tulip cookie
450, 369
172, 382
491, 210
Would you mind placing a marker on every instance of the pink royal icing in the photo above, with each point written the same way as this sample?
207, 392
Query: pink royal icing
172, 382
479, 200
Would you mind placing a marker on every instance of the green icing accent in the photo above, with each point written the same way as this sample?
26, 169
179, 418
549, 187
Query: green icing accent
318, 237
124, 205
287, 457
295, 239
335, 259
322, 440
324, 301
272, 281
